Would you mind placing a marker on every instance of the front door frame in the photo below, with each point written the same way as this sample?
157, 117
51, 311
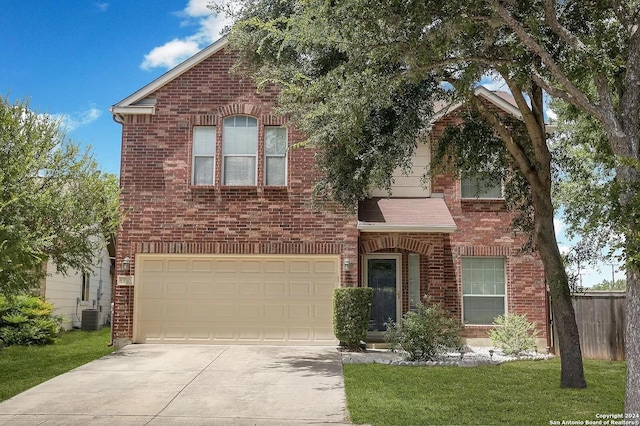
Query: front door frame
365, 276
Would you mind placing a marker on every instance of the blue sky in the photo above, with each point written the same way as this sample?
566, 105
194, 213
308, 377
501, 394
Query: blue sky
75, 58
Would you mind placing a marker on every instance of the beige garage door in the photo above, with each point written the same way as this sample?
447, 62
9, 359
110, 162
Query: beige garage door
278, 300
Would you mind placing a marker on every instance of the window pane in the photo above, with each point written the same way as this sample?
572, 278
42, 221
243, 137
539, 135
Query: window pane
240, 171
482, 310
204, 140
483, 287
414, 280
203, 171
474, 187
275, 140
240, 135
276, 171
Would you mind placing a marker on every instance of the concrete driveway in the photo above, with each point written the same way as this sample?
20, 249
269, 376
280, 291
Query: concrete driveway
190, 385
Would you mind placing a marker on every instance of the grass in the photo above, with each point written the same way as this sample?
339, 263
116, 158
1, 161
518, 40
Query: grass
514, 393
22, 367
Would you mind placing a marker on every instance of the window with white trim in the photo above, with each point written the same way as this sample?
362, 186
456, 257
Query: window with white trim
275, 160
204, 155
477, 187
239, 151
483, 289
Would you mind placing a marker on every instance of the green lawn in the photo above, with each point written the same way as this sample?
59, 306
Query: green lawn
514, 393
22, 367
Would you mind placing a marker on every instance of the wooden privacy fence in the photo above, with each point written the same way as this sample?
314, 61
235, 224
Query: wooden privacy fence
600, 316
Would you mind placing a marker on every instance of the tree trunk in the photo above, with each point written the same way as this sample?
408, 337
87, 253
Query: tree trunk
571, 367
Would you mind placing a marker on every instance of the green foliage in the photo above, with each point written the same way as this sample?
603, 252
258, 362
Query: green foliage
607, 285
54, 204
424, 333
513, 334
351, 314
28, 320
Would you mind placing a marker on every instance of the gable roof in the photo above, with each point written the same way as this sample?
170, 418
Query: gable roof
137, 103
500, 99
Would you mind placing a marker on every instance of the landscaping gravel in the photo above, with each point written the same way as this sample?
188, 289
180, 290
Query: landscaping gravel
473, 356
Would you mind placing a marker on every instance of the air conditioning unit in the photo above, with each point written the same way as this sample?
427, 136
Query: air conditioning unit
90, 319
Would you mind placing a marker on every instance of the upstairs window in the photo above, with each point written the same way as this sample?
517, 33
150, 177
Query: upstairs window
239, 151
275, 160
204, 155
476, 187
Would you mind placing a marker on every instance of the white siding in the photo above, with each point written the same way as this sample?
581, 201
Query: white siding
410, 186
65, 290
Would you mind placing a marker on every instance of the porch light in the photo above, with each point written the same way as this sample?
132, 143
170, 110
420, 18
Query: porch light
126, 263
346, 265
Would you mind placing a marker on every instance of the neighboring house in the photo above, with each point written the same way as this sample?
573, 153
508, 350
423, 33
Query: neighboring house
74, 292
221, 243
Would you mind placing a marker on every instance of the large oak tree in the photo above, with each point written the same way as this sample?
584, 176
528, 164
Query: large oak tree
345, 69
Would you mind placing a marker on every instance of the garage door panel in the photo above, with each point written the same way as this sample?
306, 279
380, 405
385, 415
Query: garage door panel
177, 265
250, 289
235, 299
275, 266
324, 289
277, 289
301, 266
274, 334
250, 313
248, 267
298, 289
223, 266
224, 288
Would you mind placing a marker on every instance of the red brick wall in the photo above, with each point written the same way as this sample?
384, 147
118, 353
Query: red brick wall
484, 229
166, 214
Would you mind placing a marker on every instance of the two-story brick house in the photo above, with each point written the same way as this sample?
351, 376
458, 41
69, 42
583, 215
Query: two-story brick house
221, 242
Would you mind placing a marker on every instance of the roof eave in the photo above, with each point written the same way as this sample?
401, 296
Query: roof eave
133, 110
172, 73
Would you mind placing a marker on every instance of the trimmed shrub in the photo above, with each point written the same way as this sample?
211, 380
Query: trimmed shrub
513, 334
28, 320
424, 333
351, 314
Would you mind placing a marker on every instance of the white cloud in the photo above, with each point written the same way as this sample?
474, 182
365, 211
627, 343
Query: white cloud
102, 6
70, 122
209, 28
170, 54
198, 8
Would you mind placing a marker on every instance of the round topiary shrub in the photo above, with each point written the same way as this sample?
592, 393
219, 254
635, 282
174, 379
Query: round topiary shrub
28, 320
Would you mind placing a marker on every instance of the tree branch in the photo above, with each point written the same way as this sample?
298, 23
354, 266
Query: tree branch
577, 97
561, 31
517, 152
537, 135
